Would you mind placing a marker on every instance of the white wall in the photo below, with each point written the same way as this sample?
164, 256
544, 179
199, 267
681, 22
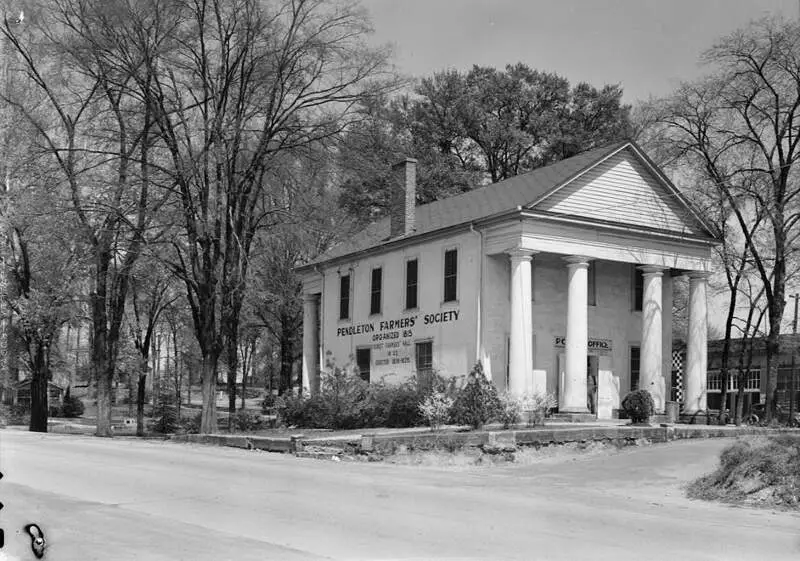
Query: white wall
394, 359
454, 342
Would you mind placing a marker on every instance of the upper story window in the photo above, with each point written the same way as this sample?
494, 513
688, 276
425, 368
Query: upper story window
450, 275
344, 297
412, 274
634, 365
375, 291
638, 289
592, 284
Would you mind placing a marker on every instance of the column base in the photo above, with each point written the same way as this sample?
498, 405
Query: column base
573, 417
698, 418
579, 410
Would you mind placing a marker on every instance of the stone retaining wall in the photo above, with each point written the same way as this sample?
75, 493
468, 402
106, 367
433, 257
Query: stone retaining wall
389, 443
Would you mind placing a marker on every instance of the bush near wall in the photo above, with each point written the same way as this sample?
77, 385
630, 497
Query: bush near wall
345, 401
639, 406
477, 403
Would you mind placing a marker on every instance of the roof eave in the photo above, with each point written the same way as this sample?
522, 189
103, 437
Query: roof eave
387, 245
613, 226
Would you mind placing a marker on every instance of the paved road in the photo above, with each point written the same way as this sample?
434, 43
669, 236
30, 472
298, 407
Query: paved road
125, 499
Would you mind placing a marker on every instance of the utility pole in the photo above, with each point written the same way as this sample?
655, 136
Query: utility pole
792, 385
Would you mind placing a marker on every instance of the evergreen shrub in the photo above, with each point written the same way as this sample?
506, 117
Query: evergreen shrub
165, 414
191, 425
639, 406
72, 407
245, 420
477, 402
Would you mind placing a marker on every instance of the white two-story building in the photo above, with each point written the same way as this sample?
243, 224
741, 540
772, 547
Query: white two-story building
559, 280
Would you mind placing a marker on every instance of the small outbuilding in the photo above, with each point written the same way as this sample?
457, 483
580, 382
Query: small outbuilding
21, 394
559, 280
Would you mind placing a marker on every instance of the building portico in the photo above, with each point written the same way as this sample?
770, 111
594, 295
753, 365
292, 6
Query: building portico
654, 330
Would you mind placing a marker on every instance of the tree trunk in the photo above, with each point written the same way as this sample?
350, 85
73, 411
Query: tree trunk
208, 421
233, 364
140, 394
178, 372
773, 354
740, 400
131, 400
100, 364
287, 356
104, 409
39, 411
244, 387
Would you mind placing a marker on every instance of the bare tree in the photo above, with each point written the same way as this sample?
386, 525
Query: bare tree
738, 128
242, 83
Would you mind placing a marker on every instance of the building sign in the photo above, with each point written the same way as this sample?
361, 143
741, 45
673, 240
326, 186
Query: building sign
596, 345
393, 340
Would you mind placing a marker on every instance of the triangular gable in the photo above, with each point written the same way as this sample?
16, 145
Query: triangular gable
624, 189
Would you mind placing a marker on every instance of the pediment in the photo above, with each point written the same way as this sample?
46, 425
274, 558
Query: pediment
623, 189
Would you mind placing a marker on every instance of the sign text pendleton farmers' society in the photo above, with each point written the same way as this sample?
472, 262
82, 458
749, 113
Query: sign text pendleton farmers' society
393, 339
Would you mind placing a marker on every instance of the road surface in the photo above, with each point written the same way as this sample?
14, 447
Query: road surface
125, 499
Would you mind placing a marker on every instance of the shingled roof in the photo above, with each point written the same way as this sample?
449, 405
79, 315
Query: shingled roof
479, 203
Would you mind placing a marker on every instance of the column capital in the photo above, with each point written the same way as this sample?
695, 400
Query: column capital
580, 261
698, 275
520, 254
652, 269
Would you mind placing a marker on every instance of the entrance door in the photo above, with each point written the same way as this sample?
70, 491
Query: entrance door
591, 383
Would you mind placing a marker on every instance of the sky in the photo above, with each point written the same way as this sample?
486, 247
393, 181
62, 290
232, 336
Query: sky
647, 46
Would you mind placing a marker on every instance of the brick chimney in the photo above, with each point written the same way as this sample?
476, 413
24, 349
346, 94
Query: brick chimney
403, 197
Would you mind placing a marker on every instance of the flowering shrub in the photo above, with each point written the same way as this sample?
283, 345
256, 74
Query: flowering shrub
537, 405
435, 408
510, 411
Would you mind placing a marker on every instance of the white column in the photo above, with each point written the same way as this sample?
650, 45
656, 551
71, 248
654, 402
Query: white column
521, 354
310, 344
666, 332
696, 351
651, 377
577, 336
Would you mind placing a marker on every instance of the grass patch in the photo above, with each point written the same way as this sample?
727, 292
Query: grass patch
756, 471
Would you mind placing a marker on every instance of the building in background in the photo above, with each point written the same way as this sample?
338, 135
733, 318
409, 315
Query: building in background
558, 280
753, 353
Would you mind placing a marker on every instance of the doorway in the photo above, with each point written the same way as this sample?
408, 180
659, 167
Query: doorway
592, 367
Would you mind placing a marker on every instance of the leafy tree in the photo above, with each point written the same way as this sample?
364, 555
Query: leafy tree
94, 138
374, 143
44, 268
466, 128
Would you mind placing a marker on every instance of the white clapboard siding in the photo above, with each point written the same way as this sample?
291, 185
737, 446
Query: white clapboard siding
622, 190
